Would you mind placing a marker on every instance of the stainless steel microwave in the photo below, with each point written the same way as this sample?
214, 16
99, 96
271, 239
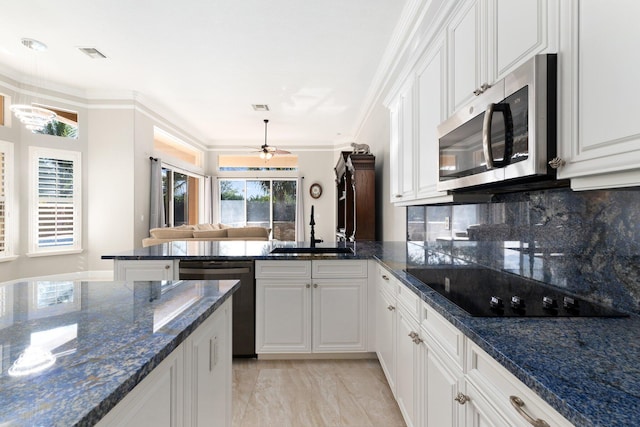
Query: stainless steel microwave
507, 135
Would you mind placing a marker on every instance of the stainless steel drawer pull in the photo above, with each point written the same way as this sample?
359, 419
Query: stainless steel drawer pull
390, 308
518, 404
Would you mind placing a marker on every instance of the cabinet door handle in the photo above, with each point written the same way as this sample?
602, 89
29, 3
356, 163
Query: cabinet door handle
166, 267
518, 404
413, 335
390, 307
556, 163
385, 277
308, 285
315, 285
461, 398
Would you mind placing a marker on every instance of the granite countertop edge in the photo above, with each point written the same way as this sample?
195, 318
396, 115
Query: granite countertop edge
100, 411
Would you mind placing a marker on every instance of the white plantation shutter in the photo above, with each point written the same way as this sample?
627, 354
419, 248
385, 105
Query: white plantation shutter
6, 176
56, 207
3, 203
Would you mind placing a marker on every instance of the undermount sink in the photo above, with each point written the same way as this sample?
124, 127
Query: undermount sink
309, 250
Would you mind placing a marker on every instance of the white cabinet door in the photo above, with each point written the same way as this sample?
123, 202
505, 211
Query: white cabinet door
407, 366
518, 30
144, 270
439, 390
600, 132
402, 142
479, 412
156, 401
209, 356
431, 112
386, 333
339, 315
467, 54
283, 316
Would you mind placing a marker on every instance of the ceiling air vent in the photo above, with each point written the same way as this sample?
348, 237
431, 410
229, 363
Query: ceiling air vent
260, 107
92, 52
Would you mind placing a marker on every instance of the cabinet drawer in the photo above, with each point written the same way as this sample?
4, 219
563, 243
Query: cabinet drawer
443, 334
388, 283
283, 269
409, 300
339, 269
498, 384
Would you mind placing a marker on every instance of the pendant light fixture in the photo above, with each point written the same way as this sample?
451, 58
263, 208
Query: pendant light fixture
33, 117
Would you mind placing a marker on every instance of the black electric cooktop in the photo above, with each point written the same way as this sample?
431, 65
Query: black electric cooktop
488, 293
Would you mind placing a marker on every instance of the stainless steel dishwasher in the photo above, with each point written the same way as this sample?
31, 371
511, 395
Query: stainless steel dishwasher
244, 299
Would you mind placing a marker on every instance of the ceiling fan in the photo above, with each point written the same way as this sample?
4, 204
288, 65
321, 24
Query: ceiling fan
267, 152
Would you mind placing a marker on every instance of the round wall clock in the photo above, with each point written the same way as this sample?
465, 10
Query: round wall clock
315, 190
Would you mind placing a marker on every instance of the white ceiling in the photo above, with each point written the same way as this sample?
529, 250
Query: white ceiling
207, 61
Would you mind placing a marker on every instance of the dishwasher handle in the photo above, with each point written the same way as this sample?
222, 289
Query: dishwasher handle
215, 271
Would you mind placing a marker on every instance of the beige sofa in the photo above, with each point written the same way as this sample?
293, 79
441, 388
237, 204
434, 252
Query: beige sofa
204, 232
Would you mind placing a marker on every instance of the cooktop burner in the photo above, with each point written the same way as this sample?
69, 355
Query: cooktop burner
488, 293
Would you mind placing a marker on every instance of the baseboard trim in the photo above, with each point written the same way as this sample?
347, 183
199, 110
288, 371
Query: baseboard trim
317, 356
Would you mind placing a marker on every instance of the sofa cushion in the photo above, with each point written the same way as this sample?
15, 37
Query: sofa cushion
203, 227
210, 233
171, 233
223, 226
242, 232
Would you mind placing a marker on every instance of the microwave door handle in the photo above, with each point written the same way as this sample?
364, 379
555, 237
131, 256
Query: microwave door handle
508, 135
486, 135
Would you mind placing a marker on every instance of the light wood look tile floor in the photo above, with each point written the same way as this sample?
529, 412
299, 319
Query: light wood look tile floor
309, 393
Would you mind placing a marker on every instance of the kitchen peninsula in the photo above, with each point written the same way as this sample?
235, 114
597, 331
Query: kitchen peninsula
81, 353
583, 368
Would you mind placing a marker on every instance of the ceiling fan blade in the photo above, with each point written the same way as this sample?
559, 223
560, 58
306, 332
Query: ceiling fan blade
277, 151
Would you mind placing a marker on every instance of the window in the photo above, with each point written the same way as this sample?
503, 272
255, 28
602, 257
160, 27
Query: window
6, 174
165, 143
237, 163
65, 124
267, 203
181, 192
2, 110
56, 201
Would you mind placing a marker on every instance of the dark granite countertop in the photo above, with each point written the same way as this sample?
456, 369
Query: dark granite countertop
586, 368
105, 338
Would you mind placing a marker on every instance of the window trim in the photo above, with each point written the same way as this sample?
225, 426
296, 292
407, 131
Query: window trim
36, 153
8, 253
169, 215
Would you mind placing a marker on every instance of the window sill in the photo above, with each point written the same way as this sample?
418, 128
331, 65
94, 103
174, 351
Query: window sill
53, 253
8, 258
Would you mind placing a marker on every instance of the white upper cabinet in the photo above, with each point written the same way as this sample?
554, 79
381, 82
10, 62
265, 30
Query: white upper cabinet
487, 39
599, 130
431, 112
402, 141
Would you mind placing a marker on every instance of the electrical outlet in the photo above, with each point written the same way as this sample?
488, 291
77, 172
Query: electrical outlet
447, 223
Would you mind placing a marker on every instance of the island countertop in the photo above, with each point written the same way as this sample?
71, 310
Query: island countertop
95, 341
586, 368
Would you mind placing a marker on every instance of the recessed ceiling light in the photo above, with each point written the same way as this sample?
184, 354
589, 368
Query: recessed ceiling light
92, 52
33, 44
260, 107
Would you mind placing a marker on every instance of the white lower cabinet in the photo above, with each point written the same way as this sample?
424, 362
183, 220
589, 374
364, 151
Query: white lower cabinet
386, 316
311, 306
439, 377
190, 387
408, 366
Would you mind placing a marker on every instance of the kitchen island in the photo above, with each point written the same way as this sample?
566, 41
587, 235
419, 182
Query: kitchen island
585, 368
72, 350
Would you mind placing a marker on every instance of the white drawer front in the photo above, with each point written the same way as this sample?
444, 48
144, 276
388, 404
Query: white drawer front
494, 380
443, 334
409, 300
339, 269
283, 269
388, 283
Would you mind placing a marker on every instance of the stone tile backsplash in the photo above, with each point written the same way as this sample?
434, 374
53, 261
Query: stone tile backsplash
586, 242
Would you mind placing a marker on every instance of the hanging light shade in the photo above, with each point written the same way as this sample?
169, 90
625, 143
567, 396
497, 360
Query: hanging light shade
32, 117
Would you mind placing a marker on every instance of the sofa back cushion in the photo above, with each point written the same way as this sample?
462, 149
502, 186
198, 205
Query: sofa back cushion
210, 234
171, 233
243, 232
